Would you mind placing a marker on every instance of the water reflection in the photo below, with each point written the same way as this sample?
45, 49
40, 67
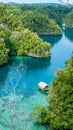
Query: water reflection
69, 34
43, 92
20, 75
3, 74
30, 63
19, 80
51, 39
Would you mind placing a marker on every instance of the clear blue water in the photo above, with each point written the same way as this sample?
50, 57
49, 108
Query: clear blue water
19, 92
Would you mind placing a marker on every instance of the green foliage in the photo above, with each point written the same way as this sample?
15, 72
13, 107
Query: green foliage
8, 19
27, 43
54, 11
40, 23
58, 12
17, 39
15, 10
59, 112
68, 21
69, 63
3, 53
20, 41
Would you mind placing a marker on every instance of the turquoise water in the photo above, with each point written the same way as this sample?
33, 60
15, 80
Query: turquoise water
19, 92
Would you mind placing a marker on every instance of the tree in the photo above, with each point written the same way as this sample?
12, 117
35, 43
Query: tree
68, 20
28, 43
59, 112
3, 53
40, 23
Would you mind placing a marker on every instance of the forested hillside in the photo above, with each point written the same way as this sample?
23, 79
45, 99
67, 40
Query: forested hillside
58, 114
54, 11
68, 21
24, 30
41, 24
15, 39
17, 20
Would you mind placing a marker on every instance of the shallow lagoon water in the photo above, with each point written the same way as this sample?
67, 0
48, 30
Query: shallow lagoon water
19, 92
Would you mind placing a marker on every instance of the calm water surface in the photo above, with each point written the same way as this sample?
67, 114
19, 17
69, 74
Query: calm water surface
19, 92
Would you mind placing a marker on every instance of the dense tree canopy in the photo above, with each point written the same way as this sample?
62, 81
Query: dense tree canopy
54, 11
59, 112
27, 43
39, 23
59, 12
39, 18
68, 21
3, 53
17, 39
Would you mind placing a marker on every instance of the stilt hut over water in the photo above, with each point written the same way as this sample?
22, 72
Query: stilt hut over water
43, 85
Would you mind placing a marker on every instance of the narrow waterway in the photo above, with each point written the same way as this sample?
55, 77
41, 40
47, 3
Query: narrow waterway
19, 92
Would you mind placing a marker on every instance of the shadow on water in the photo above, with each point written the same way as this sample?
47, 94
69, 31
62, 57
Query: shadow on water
45, 127
43, 92
30, 63
15, 75
51, 39
69, 33
4, 70
27, 63
29, 94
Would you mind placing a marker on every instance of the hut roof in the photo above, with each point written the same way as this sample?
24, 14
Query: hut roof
42, 85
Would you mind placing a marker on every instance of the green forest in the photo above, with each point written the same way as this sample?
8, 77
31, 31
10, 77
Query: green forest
58, 114
40, 23
21, 25
68, 21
